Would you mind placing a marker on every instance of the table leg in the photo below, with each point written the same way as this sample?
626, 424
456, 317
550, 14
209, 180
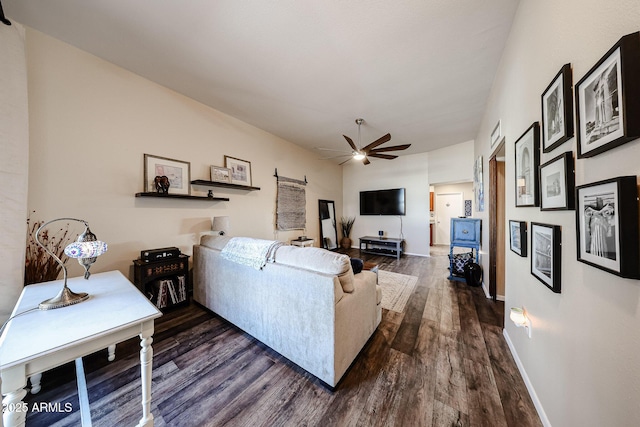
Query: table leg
112, 352
35, 383
146, 363
14, 410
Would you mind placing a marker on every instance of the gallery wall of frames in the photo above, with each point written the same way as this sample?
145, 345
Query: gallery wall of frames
607, 115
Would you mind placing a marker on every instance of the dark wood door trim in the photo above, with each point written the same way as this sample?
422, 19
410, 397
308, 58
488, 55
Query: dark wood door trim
493, 235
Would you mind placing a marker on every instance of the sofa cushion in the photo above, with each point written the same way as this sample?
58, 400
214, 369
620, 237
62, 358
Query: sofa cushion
320, 260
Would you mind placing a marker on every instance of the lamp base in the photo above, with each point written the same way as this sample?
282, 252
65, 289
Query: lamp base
64, 298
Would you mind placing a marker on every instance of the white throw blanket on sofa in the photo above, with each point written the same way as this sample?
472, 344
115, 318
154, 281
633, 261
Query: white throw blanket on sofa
249, 251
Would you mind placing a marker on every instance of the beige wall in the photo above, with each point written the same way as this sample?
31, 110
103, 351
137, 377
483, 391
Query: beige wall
582, 360
14, 162
91, 122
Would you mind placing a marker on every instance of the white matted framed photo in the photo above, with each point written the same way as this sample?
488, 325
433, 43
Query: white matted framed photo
240, 170
546, 254
607, 225
557, 183
557, 110
518, 237
608, 99
220, 174
177, 171
527, 162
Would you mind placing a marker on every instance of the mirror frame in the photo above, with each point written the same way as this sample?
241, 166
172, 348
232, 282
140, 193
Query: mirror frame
331, 206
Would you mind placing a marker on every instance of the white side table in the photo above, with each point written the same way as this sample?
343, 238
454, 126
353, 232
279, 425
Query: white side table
303, 243
43, 339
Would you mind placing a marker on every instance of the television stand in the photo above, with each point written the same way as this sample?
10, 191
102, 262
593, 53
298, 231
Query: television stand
381, 246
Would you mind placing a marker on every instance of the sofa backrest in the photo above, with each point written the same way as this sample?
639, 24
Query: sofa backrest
314, 259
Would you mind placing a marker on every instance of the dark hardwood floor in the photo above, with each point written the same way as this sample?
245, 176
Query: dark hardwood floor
442, 362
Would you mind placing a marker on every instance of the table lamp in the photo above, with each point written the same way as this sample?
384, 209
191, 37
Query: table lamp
85, 249
220, 225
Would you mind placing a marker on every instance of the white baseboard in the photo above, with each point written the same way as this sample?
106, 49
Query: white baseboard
488, 295
532, 392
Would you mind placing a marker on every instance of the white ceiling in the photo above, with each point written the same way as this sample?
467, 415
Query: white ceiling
300, 69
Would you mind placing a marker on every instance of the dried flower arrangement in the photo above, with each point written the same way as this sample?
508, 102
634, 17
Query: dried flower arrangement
39, 265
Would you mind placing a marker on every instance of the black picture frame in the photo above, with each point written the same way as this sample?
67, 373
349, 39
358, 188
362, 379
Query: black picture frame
518, 237
546, 255
607, 226
557, 183
527, 156
608, 99
557, 110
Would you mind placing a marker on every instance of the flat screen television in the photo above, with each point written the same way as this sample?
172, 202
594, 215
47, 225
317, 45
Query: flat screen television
382, 202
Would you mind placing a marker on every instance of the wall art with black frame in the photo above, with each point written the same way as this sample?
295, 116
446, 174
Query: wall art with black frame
546, 254
557, 183
527, 163
518, 237
608, 99
557, 110
607, 225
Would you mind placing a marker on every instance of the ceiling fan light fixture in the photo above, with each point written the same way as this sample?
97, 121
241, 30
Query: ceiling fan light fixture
358, 155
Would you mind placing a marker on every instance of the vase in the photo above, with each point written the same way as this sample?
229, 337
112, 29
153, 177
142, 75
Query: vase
345, 243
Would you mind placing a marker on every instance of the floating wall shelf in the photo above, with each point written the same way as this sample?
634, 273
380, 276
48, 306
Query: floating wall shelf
224, 185
182, 196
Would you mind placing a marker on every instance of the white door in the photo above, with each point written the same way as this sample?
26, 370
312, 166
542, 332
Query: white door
448, 205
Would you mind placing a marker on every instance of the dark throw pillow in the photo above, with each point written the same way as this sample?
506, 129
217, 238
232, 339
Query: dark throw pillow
356, 265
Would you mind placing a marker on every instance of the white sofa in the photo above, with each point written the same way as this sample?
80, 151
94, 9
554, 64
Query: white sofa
307, 305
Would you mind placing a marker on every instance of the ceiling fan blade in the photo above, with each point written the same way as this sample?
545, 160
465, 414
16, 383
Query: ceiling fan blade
331, 149
350, 141
366, 161
393, 148
382, 156
377, 142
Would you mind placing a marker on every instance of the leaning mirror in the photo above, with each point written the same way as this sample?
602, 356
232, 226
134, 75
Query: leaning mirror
328, 230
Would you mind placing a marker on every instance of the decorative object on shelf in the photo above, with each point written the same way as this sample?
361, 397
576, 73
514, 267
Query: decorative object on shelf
381, 233
607, 226
291, 202
162, 184
220, 225
607, 99
177, 171
557, 183
546, 254
86, 249
346, 224
557, 110
496, 134
240, 170
220, 174
519, 317
527, 162
518, 237
478, 187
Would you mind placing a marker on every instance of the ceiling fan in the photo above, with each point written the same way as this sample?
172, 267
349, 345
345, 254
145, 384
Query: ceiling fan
363, 153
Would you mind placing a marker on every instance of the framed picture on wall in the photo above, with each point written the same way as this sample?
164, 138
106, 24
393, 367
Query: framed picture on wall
557, 110
518, 237
240, 170
607, 225
545, 254
220, 174
527, 162
608, 99
177, 171
557, 183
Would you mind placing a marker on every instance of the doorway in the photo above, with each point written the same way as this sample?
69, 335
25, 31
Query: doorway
448, 205
497, 226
